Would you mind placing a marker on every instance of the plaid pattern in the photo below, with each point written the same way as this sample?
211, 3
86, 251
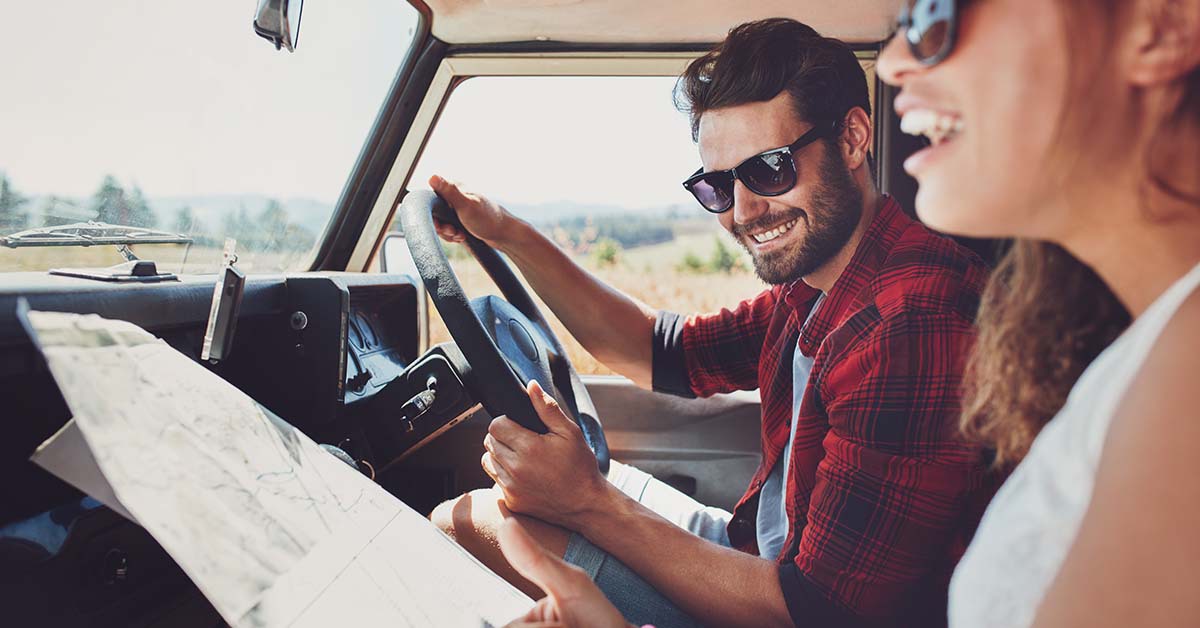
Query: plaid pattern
883, 495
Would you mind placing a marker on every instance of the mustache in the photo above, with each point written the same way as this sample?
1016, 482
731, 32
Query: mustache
762, 223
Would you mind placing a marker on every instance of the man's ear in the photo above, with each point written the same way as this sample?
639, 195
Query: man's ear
856, 137
1163, 43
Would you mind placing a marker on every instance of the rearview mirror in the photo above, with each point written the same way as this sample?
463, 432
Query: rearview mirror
278, 21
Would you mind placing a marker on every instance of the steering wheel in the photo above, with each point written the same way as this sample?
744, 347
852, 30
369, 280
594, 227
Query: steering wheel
506, 341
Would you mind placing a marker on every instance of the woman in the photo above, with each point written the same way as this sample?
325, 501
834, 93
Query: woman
1072, 126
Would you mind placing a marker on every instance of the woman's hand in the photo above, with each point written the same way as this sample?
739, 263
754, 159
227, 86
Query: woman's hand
572, 599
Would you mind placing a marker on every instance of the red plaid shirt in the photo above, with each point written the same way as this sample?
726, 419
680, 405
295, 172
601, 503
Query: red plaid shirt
882, 494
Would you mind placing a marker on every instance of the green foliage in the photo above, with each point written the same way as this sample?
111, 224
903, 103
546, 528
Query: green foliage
723, 259
269, 231
56, 210
11, 202
140, 214
185, 221
692, 264
627, 230
606, 252
113, 205
272, 228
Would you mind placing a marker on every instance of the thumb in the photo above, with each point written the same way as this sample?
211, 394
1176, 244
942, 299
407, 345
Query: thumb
548, 409
449, 191
531, 560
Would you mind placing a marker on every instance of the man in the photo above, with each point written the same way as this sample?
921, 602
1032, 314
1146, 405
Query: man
865, 496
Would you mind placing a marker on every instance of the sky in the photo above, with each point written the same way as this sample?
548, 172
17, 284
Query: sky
183, 99
599, 140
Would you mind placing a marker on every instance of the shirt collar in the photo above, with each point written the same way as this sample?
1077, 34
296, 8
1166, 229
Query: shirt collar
845, 297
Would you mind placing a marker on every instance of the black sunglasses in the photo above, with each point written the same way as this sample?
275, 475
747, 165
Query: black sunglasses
930, 27
770, 173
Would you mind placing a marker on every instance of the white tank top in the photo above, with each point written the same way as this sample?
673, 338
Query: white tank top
1032, 522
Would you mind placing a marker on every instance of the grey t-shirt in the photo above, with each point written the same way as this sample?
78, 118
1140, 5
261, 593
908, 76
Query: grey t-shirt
772, 523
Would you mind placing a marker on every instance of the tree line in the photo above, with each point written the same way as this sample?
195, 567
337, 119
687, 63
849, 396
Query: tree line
627, 230
268, 230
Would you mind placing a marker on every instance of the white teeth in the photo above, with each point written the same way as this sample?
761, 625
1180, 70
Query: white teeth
938, 127
767, 236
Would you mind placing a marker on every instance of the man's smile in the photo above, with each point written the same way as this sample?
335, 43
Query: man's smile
762, 237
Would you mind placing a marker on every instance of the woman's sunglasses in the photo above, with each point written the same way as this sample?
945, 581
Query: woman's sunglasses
771, 173
930, 28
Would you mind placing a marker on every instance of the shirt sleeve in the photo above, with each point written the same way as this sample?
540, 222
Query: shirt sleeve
896, 479
712, 353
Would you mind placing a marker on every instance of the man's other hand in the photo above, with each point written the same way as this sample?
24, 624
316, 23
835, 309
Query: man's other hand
551, 476
572, 599
485, 220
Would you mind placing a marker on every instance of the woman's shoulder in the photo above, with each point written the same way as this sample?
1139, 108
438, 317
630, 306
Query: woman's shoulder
1164, 396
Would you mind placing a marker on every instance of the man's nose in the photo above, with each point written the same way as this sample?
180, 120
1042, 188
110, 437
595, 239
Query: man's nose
896, 63
747, 206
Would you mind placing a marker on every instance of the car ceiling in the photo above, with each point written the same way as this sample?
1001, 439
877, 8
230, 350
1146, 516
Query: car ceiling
648, 21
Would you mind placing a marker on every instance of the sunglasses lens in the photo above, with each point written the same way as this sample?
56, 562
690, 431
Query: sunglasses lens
714, 191
769, 174
929, 34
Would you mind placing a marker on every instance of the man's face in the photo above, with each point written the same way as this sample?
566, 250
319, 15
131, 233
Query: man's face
792, 235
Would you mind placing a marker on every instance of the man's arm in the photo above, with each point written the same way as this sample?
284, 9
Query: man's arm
719, 585
894, 486
614, 327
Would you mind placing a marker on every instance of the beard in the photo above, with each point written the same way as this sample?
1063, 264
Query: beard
834, 211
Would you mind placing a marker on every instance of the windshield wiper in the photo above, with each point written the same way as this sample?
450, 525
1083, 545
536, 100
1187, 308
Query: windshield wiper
91, 233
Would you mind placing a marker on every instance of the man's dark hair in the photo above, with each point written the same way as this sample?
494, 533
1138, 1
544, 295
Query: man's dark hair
758, 60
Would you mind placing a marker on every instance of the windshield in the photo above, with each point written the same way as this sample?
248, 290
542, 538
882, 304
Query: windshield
176, 117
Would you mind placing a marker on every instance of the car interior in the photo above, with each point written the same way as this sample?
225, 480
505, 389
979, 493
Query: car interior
342, 350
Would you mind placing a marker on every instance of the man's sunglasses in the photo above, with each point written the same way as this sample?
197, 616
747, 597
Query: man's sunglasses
930, 27
770, 173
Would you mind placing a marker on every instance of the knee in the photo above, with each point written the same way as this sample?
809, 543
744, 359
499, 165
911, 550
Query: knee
467, 517
443, 515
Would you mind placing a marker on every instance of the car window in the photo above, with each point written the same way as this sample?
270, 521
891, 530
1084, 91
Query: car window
596, 163
175, 116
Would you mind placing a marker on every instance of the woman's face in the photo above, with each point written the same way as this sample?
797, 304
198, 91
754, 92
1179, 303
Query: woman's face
1002, 90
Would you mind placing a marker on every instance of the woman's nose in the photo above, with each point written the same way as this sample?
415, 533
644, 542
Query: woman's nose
896, 63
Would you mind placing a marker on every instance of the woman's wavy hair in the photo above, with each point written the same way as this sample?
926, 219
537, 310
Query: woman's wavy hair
1044, 315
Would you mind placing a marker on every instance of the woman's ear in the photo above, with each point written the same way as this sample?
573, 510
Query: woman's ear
1163, 43
856, 137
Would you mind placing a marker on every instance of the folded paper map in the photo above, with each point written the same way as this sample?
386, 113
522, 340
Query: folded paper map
272, 529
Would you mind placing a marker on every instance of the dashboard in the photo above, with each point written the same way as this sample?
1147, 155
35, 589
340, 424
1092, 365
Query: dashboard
335, 354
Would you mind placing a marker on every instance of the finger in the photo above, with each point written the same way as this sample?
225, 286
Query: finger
548, 409
449, 191
536, 563
495, 469
447, 231
501, 452
511, 433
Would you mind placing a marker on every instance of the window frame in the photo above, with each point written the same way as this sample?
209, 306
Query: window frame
454, 70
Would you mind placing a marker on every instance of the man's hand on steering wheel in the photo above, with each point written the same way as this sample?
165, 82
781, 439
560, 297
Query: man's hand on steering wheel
551, 476
485, 219
506, 340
